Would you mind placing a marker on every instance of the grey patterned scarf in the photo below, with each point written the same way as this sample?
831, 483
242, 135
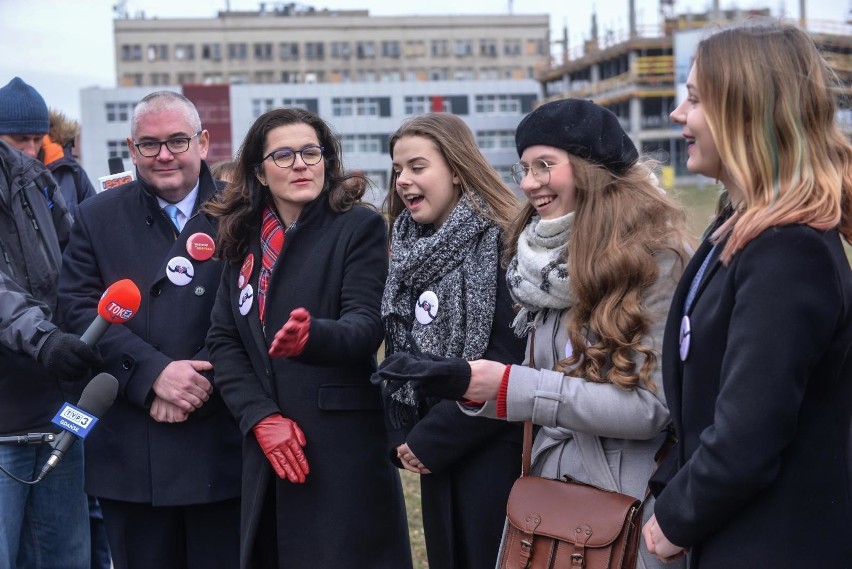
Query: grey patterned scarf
538, 273
458, 263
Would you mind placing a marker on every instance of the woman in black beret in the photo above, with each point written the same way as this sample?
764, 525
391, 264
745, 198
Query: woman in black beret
593, 260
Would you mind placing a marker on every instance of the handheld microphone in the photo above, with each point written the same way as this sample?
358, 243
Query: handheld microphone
116, 165
118, 304
97, 397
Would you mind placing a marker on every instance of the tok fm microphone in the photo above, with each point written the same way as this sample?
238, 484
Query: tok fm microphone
78, 421
119, 303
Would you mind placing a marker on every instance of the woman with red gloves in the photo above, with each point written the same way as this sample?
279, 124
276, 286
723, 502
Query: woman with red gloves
294, 333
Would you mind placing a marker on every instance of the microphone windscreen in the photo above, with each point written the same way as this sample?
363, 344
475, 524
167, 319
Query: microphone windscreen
120, 302
99, 394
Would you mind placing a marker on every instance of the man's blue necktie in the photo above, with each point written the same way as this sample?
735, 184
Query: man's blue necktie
172, 211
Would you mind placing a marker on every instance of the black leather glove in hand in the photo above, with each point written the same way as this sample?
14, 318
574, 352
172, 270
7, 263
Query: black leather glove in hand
434, 376
67, 356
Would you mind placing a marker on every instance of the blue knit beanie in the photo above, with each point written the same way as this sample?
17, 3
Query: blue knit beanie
22, 110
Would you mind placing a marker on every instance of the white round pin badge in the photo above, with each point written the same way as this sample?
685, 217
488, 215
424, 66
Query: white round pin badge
245, 299
427, 307
685, 337
180, 271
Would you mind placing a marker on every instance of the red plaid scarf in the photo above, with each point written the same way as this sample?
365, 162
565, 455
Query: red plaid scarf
271, 241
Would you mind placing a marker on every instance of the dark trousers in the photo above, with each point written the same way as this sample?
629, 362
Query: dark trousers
202, 536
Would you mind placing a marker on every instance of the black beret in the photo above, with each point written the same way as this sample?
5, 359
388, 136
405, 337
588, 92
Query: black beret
581, 128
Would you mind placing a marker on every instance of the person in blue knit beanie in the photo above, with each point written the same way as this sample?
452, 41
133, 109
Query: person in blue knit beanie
24, 119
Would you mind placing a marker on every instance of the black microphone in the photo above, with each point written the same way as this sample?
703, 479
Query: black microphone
97, 397
116, 165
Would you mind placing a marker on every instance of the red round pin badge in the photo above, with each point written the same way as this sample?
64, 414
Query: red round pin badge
200, 246
245, 270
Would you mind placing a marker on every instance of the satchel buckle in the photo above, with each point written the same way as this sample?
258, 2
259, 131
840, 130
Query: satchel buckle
578, 560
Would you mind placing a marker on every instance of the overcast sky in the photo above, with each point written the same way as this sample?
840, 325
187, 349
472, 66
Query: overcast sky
61, 46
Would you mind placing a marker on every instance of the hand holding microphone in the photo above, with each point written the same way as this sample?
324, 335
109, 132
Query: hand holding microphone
290, 340
67, 356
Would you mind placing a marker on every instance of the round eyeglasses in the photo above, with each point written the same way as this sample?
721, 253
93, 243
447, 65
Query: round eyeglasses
286, 157
176, 145
539, 168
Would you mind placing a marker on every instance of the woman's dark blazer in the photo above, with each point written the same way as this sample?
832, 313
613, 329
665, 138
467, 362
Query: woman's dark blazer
762, 406
350, 512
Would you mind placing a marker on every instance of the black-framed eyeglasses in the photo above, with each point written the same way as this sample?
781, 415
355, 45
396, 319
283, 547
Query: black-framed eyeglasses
286, 157
176, 145
540, 170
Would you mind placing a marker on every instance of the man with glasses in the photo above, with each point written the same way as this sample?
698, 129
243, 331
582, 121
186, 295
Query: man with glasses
165, 460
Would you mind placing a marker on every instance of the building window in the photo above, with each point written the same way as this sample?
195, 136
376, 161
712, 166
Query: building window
440, 48
419, 104
439, 74
131, 52
464, 74
118, 112
414, 48
511, 47
536, 47
289, 76
488, 48
314, 51
213, 78
366, 50
184, 52
262, 51
360, 106
390, 49
260, 106
238, 78
497, 105
132, 80
117, 148
159, 79
288, 51
496, 139
340, 50
308, 104
158, 52
211, 52
185, 78
363, 143
490, 73
264, 77
390, 75
462, 48
237, 51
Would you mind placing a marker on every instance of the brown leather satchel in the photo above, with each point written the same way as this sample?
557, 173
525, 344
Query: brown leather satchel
565, 524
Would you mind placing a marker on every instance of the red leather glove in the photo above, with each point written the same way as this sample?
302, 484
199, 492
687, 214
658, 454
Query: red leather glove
282, 441
290, 340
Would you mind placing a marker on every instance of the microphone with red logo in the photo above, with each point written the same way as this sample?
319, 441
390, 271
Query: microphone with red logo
119, 303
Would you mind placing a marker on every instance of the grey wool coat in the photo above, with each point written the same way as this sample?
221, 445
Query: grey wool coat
594, 432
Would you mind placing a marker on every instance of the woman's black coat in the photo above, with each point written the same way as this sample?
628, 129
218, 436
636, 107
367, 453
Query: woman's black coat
350, 512
762, 406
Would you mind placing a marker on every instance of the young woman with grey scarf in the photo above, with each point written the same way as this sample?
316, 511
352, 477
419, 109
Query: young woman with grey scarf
446, 296
595, 257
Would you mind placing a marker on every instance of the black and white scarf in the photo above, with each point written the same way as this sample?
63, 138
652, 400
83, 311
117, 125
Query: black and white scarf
458, 263
538, 273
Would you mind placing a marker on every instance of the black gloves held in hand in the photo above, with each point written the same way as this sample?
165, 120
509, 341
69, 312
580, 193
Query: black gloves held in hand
67, 356
434, 376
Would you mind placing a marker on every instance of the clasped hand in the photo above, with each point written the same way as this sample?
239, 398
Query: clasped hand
282, 440
179, 390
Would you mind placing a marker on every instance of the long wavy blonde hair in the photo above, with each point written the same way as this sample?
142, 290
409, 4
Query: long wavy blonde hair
770, 102
621, 223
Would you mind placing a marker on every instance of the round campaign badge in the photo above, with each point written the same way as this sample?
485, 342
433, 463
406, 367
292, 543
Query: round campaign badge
427, 307
200, 246
245, 271
179, 270
685, 336
245, 299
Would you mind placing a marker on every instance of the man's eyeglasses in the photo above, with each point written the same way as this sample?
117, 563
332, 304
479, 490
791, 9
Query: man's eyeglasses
539, 168
176, 145
286, 157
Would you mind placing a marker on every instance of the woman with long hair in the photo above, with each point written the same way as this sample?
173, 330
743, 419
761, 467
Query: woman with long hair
593, 261
758, 348
294, 334
446, 296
